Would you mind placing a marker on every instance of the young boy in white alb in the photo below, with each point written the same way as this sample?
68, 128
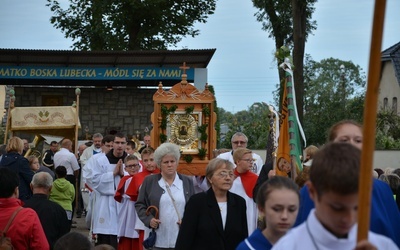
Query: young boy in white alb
333, 187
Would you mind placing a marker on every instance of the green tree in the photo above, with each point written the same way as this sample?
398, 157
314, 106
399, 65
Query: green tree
387, 130
217, 110
129, 24
288, 21
224, 116
334, 90
254, 123
257, 127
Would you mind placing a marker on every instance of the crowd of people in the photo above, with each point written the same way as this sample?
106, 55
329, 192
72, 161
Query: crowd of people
138, 199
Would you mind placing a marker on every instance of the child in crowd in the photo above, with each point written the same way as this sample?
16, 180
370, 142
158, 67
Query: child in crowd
149, 168
127, 235
63, 192
309, 153
278, 201
34, 163
131, 149
333, 187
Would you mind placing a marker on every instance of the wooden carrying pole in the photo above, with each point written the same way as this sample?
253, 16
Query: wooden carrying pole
77, 92
370, 109
10, 107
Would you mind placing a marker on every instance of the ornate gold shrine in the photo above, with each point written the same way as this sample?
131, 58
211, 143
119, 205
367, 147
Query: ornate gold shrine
185, 116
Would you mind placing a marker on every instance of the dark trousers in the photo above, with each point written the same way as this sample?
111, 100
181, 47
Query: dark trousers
107, 239
80, 208
72, 180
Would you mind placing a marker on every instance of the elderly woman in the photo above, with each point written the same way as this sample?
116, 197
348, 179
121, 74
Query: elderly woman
16, 162
215, 219
168, 191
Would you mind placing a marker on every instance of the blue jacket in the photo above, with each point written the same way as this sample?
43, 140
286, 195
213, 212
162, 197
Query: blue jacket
385, 216
20, 165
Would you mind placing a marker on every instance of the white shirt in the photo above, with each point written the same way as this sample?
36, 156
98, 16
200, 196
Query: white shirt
87, 154
67, 159
316, 234
87, 172
168, 230
251, 206
127, 215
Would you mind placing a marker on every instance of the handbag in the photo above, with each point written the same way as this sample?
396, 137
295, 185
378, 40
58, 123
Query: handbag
151, 240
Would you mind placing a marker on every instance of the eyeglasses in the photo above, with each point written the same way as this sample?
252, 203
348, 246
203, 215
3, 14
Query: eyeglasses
132, 166
225, 174
239, 142
248, 160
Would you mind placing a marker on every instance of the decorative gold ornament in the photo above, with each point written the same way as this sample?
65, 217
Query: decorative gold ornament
183, 131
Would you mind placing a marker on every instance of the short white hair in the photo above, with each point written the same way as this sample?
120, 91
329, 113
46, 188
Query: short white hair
166, 149
239, 134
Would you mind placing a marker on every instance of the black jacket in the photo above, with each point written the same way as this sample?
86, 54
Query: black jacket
52, 217
202, 223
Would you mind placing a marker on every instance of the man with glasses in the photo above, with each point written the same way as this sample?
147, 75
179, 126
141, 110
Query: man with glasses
239, 140
107, 171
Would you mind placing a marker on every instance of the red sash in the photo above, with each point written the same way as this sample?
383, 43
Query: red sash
137, 180
249, 180
120, 189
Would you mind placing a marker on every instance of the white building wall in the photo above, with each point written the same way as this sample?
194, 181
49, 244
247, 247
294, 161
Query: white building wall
389, 87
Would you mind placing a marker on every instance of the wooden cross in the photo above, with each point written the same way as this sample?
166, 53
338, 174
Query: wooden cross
184, 68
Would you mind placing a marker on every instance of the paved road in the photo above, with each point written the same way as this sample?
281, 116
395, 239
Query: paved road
81, 226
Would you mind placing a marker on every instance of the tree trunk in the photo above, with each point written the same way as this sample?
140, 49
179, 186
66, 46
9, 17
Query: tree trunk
96, 37
299, 39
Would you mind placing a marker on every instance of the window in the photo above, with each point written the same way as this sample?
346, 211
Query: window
394, 105
385, 103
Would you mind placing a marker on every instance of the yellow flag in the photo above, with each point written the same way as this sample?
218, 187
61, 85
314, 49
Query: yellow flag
283, 161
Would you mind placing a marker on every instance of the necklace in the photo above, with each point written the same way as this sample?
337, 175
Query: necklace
222, 205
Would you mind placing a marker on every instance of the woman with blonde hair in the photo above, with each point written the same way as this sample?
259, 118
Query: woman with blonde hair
16, 162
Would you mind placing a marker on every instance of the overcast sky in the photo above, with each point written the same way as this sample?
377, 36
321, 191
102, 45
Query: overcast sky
242, 70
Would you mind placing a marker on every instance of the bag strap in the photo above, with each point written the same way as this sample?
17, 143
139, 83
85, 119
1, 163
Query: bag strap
11, 219
173, 200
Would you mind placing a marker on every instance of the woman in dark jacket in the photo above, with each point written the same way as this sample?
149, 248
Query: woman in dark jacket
217, 218
20, 165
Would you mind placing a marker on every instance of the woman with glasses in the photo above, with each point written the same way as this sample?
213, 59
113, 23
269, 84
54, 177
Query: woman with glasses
215, 219
168, 191
128, 237
244, 183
